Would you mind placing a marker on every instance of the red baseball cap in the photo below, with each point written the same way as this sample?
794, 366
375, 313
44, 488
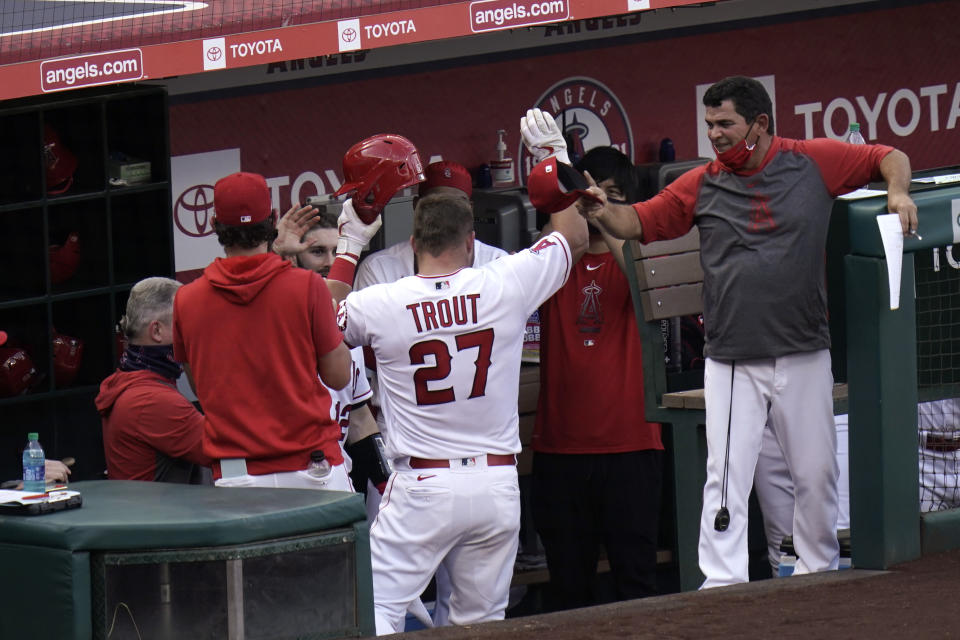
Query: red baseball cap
447, 174
553, 186
241, 199
3, 337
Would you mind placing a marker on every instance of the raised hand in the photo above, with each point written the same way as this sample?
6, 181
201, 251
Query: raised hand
290, 229
543, 137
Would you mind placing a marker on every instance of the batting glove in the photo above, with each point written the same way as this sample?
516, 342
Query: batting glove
542, 136
354, 234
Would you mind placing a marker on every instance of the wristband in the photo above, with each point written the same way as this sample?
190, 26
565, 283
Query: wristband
343, 269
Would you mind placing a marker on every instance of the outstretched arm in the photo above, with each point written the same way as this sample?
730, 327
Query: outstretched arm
617, 220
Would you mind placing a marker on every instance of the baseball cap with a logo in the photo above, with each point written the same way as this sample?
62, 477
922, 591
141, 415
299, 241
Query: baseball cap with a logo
241, 199
553, 186
446, 174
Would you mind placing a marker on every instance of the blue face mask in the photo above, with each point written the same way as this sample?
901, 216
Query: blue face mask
737, 156
156, 358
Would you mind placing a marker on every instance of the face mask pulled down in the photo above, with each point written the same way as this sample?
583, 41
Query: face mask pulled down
737, 156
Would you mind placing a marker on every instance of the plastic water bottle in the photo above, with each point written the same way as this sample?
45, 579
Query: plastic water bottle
34, 471
854, 136
319, 466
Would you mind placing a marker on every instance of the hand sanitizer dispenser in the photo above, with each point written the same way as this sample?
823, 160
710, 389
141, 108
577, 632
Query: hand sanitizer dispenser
501, 169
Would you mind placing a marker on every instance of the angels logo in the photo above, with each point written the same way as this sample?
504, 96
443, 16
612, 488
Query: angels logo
543, 244
589, 115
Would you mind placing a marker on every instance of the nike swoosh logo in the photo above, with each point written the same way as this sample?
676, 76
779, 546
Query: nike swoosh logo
421, 477
589, 268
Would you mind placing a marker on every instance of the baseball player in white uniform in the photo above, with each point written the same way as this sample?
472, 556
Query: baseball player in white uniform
939, 424
347, 404
398, 261
448, 343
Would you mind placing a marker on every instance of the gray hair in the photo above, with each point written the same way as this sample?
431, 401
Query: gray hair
150, 299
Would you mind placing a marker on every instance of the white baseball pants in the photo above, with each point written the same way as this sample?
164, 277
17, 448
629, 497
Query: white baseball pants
774, 488
466, 517
441, 606
792, 394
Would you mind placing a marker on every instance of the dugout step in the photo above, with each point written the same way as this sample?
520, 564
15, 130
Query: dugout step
843, 537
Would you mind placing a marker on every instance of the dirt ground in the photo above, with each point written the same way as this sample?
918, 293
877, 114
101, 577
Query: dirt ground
912, 600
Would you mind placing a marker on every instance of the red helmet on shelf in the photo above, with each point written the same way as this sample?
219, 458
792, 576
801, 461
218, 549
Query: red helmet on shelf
67, 355
59, 161
17, 373
378, 167
65, 258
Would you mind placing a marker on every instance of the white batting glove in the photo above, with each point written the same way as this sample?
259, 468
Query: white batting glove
354, 234
542, 136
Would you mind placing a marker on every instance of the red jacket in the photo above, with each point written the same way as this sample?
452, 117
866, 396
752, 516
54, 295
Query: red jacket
252, 329
147, 426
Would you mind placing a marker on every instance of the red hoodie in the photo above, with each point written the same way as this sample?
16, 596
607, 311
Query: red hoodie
252, 329
147, 426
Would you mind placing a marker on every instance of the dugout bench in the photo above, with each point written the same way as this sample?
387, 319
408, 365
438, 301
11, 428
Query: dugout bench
153, 559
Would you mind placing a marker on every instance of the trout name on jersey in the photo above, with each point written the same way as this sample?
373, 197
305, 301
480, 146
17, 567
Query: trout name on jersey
446, 312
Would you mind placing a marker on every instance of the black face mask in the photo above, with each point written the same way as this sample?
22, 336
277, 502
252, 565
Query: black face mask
156, 358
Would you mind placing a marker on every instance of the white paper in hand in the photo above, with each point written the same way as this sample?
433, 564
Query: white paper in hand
891, 232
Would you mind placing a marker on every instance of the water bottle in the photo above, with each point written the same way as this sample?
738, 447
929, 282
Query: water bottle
319, 466
667, 151
34, 471
854, 136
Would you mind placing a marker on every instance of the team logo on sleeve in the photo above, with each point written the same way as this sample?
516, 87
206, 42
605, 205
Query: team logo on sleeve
342, 315
543, 244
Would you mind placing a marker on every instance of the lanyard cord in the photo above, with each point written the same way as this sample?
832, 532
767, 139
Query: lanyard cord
722, 519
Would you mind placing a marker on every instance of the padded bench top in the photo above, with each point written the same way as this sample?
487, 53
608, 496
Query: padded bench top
125, 514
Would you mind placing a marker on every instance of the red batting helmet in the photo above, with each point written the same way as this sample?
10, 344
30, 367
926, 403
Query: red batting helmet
377, 167
67, 355
59, 161
64, 259
17, 373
